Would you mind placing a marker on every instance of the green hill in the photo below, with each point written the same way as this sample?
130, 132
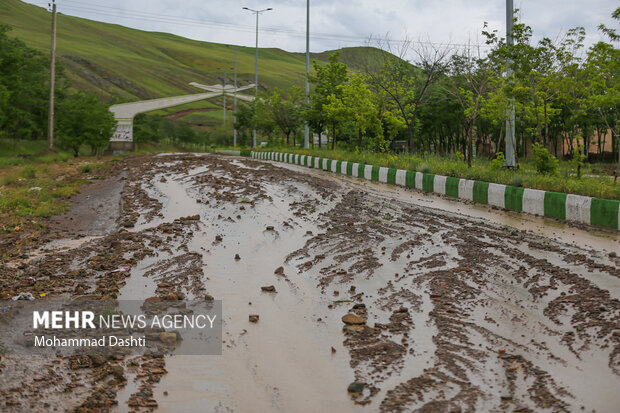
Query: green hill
117, 63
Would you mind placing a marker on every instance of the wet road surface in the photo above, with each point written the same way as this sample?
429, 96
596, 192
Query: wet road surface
451, 307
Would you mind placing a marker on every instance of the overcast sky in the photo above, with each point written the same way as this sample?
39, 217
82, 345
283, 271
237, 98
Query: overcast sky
340, 23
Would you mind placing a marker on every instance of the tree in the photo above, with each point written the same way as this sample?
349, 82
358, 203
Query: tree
470, 85
326, 80
82, 119
286, 114
23, 89
407, 85
356, 106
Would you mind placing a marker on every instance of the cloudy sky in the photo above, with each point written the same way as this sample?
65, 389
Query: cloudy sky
340, 23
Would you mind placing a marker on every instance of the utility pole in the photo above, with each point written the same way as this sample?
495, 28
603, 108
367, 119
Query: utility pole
306, 126
510, 111
50, 118
235, 103
224, 94
257, 12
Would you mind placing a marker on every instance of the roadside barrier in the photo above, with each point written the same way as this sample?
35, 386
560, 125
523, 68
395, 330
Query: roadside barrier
569, 207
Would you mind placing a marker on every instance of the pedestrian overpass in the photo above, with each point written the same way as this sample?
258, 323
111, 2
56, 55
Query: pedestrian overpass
122, 140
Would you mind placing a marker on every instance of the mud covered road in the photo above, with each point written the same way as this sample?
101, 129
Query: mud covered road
385, 299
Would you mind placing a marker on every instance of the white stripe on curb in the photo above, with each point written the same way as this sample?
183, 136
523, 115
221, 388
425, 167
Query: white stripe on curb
439, 184
496, 195
466, 189
534, 201
343, 167
419, 177
383, 172
368, 172
401, 177
356, 168
578, 208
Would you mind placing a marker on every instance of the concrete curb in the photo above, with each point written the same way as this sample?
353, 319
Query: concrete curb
577, 208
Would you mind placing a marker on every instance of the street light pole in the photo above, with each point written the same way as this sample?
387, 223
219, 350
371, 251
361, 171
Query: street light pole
306, 126
257, 12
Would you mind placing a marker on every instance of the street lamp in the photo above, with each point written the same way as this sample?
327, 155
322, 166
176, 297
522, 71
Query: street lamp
256, 12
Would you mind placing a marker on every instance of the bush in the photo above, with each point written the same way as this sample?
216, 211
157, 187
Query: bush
544, 162
499, 161
86, 169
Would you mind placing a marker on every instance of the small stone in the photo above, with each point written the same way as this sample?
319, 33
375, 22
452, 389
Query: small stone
268, 289
352, 289
333, 350
612, 254
165, 392
269, 228
336, 293
163, 285
359, 306
237, 257
218, 238
279, 271
253, 318
356, 387
208, 297
353, 319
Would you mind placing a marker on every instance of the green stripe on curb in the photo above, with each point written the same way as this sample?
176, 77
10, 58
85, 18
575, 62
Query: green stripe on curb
245, 153
339, 167
555, 205
329, 165
391, 178
350, 169
428, 182
481, 192
360, 170
452, 186
410, 179
374, 173
513, 198
604, 212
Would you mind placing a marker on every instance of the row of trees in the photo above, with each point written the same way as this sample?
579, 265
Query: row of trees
24, 101
456, 99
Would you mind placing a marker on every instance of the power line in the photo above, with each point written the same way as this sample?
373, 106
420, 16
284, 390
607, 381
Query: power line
274, 31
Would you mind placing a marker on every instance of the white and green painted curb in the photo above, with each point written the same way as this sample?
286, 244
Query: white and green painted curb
584, 209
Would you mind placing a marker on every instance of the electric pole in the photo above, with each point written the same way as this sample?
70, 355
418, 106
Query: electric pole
224, 94
306, 126
510, 110
235, 103
50, 118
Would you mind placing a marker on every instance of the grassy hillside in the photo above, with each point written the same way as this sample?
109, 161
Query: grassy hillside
119, 63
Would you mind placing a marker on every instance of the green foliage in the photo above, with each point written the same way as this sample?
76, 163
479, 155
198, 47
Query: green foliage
544, 162
82, 119
23, 89
499, 161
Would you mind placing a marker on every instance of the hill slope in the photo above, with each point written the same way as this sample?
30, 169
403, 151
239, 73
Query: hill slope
118, 63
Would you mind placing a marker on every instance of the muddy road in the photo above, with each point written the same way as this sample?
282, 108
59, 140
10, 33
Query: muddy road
385, 300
